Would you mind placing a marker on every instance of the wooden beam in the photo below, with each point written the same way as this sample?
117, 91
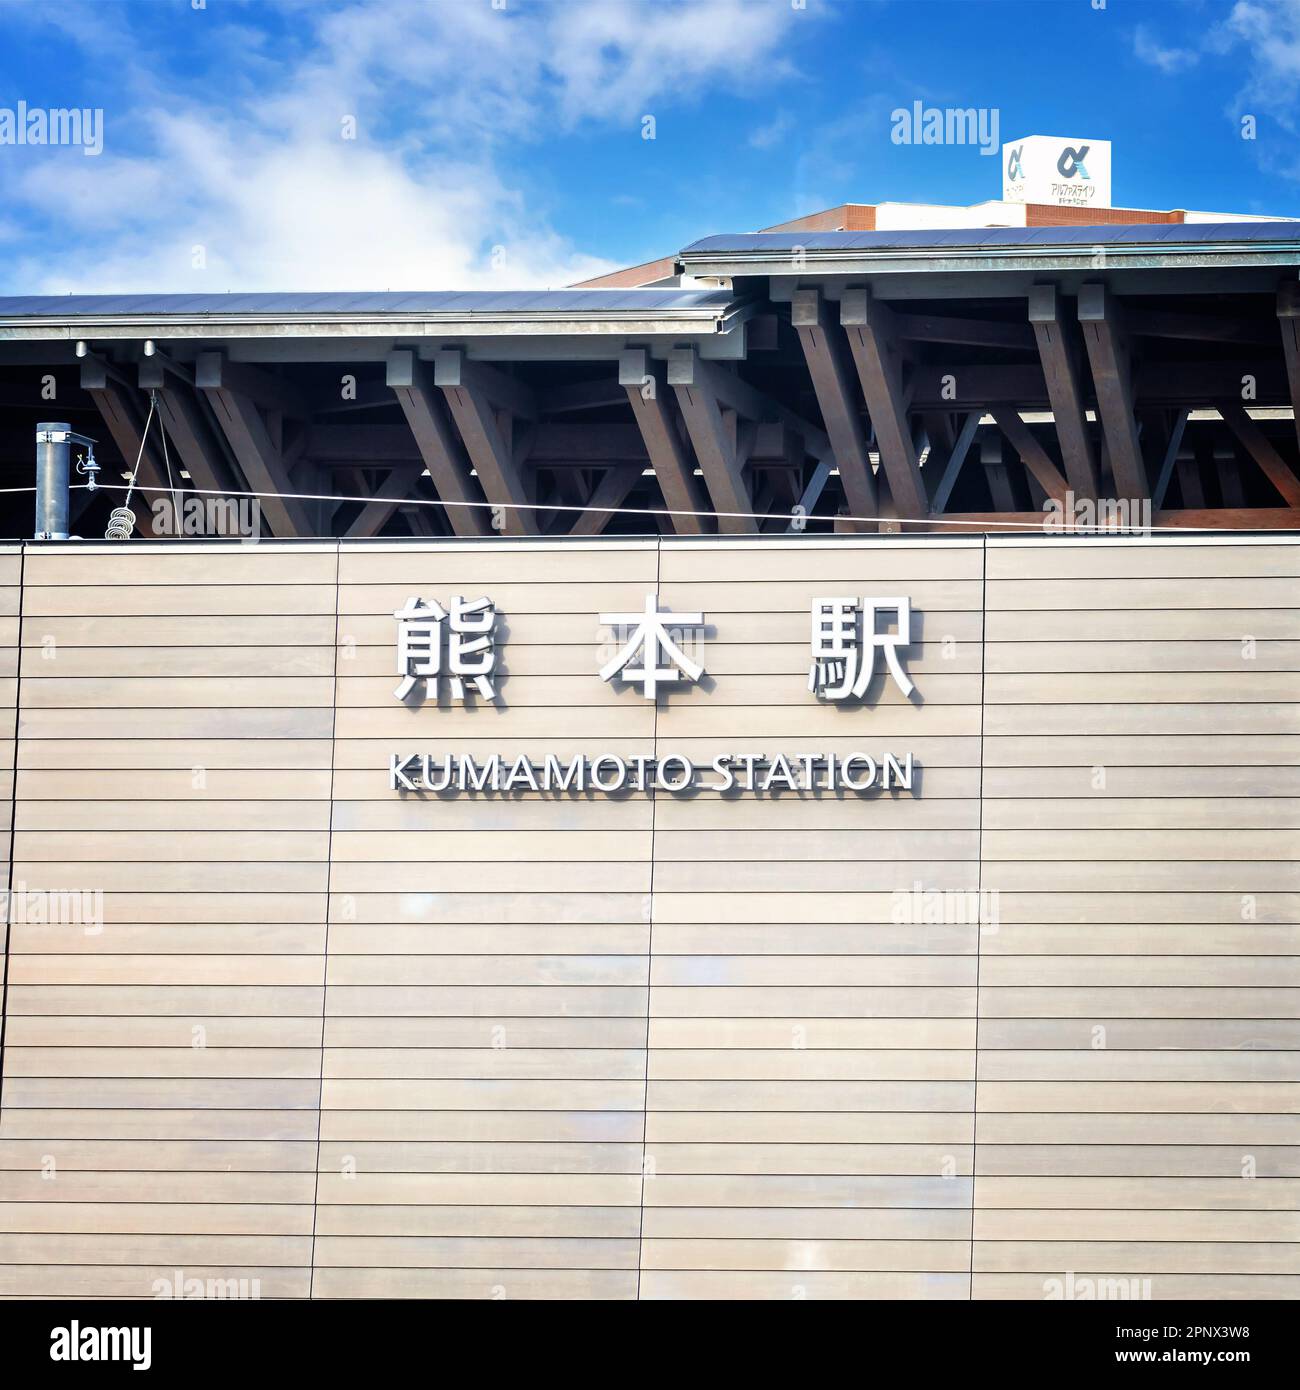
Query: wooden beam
452, 368
811, 495
944, 482
825, 351
686, 367
936, 328
187, 426
1288, 318
411, 382
1215, 518
1201, 328
1058, 350
873, 340
1173, 446
995, 469
396, 488
488, 445
1104, 333
715, 439
250, 441
1227, 469
581, 395
1191, 483
125, 422
1260, 448
609, 494
645, 384
266, 391
1032, 454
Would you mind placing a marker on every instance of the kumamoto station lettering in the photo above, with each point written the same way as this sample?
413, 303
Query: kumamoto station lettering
461, 638
742, 772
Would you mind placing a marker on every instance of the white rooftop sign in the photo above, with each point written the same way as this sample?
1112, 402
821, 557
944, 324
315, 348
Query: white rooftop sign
1064, 171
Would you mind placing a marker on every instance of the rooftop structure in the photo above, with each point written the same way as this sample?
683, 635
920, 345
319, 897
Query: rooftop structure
940, 379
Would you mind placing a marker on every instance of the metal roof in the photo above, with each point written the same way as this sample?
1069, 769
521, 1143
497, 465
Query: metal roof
608, 311
1145, 233
1169, 246
420, 303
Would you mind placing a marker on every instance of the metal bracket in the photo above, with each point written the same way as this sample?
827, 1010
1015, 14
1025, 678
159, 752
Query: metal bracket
63, 437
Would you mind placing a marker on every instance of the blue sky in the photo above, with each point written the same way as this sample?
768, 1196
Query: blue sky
374, 144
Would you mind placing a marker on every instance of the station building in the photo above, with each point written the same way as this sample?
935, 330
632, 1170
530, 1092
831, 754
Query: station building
779, 783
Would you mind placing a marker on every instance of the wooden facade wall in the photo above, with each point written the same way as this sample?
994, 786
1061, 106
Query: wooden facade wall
341, 1042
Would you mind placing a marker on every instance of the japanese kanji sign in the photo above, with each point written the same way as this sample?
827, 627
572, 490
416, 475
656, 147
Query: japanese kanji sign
466, 630
844, 643
651, 638
459, 643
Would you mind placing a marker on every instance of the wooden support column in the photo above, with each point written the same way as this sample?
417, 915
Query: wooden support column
947, 471
449, 470
1173, 447
1191, 485
824, 349
1288, 318
398, 487
608, 495
714, 438
1102, 321
475, 394
1256, 443
1032, 454
1058, 350
230, 389
125, 423
645, 383
877, 355
995, 469
186, 426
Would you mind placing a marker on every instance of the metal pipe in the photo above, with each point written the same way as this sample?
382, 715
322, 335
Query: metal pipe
53, 441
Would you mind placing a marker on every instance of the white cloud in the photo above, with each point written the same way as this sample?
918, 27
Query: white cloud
1269, 30
1168, 59
451, 101
764, 137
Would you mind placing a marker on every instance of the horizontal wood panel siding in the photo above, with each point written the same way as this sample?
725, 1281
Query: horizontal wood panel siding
485, 1044
15, 900
704, 1046
1138, 1082
163, 1066
810, 1111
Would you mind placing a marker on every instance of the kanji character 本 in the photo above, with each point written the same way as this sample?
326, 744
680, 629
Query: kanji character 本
650, 636
470, 640
844, 651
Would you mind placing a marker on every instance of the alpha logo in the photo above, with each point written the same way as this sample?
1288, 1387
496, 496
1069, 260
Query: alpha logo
1015, 170
1071, 162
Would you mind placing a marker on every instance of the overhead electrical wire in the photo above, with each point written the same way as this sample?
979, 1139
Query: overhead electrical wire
930, 521
973, 527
